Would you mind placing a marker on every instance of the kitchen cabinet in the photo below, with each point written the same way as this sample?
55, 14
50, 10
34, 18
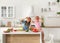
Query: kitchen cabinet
52, 21
21, 36
3, 11
27, 38
7, 11
1, 38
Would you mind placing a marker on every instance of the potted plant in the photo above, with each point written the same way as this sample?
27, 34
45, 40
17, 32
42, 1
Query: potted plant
58, 13
58, 1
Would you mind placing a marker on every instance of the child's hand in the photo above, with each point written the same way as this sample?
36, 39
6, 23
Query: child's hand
39, 30
21, 20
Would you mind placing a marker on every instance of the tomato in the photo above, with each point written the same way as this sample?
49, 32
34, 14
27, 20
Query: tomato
35, 30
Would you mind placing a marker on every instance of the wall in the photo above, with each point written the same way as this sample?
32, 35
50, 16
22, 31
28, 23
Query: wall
22, 6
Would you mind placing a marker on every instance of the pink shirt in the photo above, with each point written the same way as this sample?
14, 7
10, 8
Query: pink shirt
37, 25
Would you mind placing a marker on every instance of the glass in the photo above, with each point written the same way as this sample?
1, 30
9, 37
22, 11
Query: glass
10, 11
3, 11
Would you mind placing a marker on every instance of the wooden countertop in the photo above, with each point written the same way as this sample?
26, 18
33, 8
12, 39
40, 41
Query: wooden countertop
22, 32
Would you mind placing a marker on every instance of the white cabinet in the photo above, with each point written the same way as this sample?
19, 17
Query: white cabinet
7, 11
52, 21
1, 38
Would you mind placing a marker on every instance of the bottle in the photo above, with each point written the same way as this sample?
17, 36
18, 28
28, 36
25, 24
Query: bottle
42, 24
27, 30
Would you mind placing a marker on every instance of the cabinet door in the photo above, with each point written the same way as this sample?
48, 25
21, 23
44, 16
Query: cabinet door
11, 12
3, 11
1, 38
7, 11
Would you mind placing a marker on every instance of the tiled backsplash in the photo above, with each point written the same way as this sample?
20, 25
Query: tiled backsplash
9, 22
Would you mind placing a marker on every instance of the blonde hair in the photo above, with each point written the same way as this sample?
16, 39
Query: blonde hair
37, 17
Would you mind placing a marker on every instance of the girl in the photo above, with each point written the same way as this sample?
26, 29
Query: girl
37, 23
26, 23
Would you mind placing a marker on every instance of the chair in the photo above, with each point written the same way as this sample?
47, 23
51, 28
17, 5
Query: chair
51, 40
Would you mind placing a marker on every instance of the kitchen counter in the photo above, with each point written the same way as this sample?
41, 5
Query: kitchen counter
41, 27
20, 35
51, 27
23, 32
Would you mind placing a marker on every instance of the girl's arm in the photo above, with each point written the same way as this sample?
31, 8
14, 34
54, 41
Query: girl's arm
21, 21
